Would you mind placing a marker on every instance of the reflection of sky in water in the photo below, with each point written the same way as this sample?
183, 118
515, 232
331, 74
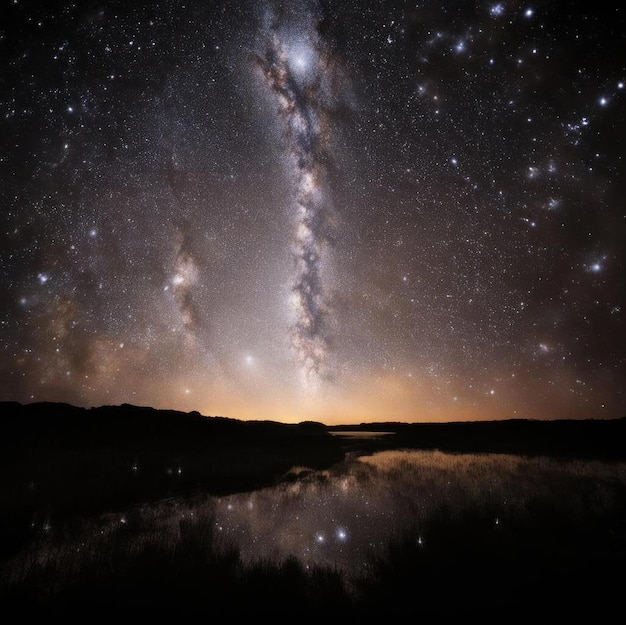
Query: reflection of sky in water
340, 516
337, 517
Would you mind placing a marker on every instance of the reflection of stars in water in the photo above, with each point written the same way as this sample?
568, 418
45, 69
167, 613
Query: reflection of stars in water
279, 521
322, 523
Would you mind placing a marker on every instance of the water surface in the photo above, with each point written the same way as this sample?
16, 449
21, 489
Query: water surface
343, 516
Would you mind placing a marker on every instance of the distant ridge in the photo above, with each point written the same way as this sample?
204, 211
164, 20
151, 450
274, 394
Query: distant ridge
603, 439
128, 426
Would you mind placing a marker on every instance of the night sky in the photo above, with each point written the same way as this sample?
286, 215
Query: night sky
342, 211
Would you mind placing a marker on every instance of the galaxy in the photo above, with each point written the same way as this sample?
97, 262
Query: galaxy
294, 72
315, 210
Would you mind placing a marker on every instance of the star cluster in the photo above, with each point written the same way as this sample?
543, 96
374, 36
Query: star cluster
341, 211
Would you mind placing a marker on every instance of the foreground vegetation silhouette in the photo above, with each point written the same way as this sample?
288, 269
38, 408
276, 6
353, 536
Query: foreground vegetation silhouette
458, 565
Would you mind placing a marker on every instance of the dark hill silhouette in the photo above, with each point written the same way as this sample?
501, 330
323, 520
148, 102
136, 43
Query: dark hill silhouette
45, 420
128, 428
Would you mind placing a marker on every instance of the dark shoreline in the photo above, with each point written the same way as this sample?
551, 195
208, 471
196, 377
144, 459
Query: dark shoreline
77, 460
591, 439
